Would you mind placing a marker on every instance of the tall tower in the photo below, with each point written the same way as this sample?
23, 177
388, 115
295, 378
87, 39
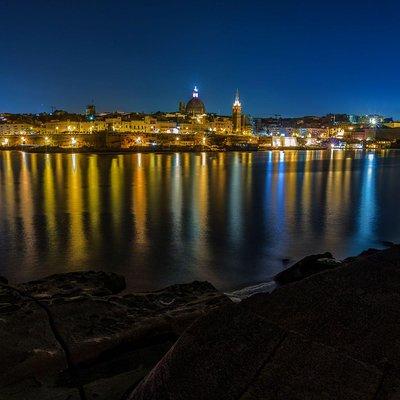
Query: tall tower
90, 112
237, 115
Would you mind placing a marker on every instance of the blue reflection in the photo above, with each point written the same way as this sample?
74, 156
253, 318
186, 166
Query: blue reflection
367, 212
235, 194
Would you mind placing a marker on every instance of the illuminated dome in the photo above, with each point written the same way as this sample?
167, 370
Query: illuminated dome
195, 106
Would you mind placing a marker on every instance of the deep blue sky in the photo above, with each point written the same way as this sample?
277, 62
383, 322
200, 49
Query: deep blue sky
288, 57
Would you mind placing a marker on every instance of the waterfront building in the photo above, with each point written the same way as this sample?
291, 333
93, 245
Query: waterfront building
70, 126
361, 134
166, 127
16, 129
185, 127
392, 124
284, 141
220, 125
133, 126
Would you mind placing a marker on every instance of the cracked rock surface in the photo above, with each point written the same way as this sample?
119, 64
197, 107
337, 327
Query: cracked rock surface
113, 338
334, 335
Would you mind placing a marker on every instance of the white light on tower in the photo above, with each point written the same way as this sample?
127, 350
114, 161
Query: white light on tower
237, 100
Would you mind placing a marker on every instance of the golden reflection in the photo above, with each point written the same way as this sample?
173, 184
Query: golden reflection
203, 215
116, 194
139, 195
59, 173
77, 237
93, 184
26, 209
202, 203
203, 159
219, 182
49, 196
9, 187
186, 160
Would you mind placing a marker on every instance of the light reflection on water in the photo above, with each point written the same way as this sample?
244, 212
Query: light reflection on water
159, 219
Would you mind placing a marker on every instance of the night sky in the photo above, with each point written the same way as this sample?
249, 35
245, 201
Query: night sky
286, 57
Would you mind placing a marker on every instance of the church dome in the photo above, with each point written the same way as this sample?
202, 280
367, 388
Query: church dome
195, 106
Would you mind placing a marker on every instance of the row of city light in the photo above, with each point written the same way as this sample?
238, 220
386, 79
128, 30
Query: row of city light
6, 141
74, 141
139, 139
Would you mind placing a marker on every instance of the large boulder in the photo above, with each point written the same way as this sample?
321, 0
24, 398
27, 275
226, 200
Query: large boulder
306, 267
113, 339
334, 335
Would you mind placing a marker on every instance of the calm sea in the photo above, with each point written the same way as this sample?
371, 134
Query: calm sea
159, 219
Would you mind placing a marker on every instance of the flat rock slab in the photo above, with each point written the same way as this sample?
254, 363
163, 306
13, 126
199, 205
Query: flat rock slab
114, 339
334, 335
234, 354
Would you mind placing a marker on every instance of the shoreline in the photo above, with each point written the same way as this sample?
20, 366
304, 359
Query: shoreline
148, 150
173, 150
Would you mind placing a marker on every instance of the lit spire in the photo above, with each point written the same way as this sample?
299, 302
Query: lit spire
237, 100
195, 92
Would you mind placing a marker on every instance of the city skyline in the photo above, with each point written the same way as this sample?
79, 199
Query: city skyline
196, 94
287, 58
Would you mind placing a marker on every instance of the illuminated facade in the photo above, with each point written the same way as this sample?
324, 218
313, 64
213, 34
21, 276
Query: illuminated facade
73, 126
16, 129
284, 141
221, 125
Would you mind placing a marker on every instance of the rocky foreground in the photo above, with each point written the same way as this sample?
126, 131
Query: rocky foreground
330, 331
77, 335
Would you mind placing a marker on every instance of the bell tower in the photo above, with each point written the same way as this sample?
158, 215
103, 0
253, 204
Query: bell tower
237, 115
